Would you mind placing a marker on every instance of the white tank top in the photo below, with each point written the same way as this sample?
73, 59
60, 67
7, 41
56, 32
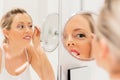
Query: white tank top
4, 75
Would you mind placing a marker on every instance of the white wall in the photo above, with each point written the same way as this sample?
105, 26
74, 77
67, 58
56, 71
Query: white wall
1, 7
1, 12
53, 6
68, 8
36, 8
94, 5
39, 10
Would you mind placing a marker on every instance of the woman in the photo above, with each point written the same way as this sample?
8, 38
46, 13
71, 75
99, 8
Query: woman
107, 42
21, 47
78, 35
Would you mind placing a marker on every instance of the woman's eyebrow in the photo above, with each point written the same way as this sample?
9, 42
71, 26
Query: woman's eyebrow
21, 22
79, 29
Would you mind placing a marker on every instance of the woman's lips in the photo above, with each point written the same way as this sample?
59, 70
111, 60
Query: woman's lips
75, 53
27, 37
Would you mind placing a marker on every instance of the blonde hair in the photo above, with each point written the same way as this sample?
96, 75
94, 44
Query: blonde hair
89, 16
109, 24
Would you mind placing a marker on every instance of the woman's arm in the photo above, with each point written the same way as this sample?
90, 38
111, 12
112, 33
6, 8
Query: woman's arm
41, 64
39, 60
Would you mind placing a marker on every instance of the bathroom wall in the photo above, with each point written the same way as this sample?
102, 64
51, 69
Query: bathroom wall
1, 7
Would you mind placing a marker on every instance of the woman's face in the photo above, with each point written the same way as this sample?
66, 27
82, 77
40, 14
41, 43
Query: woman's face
77, 37
21, 30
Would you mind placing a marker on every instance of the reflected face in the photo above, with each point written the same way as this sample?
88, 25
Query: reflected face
77, 37
21, 30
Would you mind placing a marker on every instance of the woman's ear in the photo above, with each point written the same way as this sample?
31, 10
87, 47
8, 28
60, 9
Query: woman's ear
92, 36
95, 49
5, 32
104, 49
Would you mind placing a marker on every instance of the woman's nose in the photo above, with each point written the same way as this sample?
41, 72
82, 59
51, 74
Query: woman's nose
27, 29
70, 43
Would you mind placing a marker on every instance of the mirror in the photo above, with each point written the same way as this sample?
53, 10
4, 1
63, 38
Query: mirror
50, 32
78, 34
39, 10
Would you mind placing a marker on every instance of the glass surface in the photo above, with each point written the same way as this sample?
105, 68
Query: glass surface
78, 34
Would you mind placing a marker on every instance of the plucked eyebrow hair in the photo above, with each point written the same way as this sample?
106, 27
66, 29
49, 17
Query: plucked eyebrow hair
23, 22
78, 29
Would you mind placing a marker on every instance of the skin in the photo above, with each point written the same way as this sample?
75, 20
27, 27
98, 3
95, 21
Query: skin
19, 38
39, 60
77, 37
105, 58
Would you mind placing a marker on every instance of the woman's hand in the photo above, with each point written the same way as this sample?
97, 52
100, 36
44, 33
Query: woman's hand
39, 60
36, 38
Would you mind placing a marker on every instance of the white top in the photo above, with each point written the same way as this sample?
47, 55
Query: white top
4, 75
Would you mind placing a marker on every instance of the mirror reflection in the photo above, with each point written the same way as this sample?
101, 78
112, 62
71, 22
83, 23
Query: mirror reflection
78, 34
38, 11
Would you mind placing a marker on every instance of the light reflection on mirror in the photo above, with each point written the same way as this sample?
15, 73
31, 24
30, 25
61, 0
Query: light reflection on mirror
78, 34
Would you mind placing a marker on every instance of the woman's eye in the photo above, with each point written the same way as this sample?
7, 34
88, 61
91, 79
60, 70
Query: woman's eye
30, 26
81, 35
20, 26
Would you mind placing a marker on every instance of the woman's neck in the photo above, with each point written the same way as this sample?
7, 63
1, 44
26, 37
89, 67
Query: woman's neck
115, 75
13, 51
